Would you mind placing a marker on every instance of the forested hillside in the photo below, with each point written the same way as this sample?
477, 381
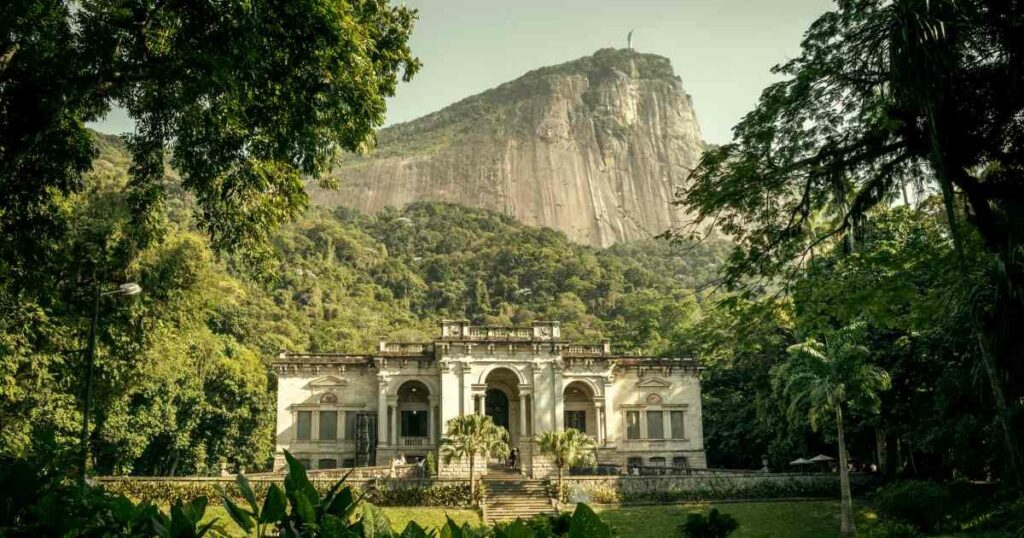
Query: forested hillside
184, 378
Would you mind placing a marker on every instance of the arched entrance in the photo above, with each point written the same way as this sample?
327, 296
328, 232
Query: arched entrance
502, 401
497, 407
580, 411
413, 415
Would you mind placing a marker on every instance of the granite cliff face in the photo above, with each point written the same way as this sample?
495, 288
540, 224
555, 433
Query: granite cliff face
595, 147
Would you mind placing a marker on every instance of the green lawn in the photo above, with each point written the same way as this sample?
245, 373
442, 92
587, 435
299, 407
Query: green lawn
399, 516
790, 519
809, 519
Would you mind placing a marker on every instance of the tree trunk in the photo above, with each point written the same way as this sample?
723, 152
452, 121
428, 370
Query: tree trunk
847, 527
472, 481
559, 484
1003, 411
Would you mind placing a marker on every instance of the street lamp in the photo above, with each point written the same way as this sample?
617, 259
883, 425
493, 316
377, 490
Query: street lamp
126, 289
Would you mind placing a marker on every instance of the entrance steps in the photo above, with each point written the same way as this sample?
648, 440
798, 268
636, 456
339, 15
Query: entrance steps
510, 496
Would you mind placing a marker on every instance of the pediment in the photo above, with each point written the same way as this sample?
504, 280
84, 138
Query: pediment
653, 383
327, 382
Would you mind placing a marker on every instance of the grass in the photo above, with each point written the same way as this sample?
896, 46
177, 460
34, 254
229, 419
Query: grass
790, 519
399, 516
803, 519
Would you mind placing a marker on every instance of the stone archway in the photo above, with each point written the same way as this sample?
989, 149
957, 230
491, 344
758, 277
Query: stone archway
502, 401
413, 421
580, 409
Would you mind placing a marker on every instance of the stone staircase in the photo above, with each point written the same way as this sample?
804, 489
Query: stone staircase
510, 496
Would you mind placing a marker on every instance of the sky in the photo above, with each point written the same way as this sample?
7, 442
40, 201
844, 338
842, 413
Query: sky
722, 49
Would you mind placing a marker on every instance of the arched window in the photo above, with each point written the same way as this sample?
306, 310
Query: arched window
329, 398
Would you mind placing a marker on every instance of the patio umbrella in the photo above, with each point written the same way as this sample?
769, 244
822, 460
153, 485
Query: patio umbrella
800, 461
821, 458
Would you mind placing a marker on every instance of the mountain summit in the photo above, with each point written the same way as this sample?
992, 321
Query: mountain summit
595, 148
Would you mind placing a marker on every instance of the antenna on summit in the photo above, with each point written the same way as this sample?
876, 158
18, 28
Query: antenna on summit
629, 40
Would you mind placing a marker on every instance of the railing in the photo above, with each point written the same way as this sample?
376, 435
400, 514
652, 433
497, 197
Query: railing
500, 333
586, 349
415, 441
406, 348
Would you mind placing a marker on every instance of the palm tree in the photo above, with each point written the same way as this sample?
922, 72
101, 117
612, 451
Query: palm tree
823, 379
470, 436
569, 447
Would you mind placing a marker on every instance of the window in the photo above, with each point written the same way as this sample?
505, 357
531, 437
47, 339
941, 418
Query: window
305, 462
350, 424
632, 463
327, 463
632, 424
576, 419
657, 462
328, 425
679, 462
349, 463
414, 423
304, 425
678, 429
655, 425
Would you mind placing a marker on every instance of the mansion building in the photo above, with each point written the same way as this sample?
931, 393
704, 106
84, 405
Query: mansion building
345, 410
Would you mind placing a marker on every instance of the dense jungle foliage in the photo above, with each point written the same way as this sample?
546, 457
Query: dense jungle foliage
184, 378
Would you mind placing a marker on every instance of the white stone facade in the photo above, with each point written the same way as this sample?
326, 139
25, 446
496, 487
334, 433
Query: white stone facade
340, 410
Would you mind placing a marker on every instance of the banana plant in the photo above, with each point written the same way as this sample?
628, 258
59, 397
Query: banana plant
184, 521
256, 518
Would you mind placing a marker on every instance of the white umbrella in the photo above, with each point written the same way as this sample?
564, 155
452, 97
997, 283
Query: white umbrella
800, 461
821, 458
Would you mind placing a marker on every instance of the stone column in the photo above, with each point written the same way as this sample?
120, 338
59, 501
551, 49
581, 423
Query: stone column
382, 412
431, 413
599, 411
467, 389
612, 417
523, 433
558, 397
451, 393
394, 423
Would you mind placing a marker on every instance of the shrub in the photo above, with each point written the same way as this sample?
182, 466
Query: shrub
925, 505
894, 529
447, 495
714, 525
431, 464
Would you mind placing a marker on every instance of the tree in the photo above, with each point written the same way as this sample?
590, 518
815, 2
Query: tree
566, 448
472, 436
886, 94
823, 381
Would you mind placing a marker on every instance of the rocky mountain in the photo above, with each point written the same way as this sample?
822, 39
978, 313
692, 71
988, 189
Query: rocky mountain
595, 147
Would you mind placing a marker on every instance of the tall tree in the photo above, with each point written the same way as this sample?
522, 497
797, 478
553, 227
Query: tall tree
823, 381
566, 448
887, 94
470, 437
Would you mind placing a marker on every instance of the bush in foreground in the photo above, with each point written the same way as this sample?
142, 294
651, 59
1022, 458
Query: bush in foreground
713, 525
928, 506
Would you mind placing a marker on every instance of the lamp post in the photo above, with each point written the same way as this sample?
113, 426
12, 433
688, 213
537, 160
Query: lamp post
128, 288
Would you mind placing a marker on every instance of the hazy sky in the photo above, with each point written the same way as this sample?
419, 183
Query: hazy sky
722, 49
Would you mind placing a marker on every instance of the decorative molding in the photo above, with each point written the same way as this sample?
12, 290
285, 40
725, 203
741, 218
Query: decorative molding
653, 382
327, 382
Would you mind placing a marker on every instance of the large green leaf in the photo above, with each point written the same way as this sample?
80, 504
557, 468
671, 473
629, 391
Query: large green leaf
413, 530
586, 524
247, 492
240, 516
274, 506
299, 480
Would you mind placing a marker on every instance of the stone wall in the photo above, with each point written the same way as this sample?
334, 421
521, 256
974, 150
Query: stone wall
459, 468
709, 485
